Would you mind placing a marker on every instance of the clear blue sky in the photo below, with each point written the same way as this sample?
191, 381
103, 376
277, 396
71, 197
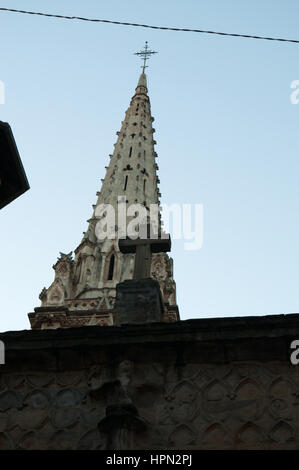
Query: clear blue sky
227, 137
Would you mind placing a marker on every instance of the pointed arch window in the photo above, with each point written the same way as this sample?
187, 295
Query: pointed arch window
111, 267
126, 182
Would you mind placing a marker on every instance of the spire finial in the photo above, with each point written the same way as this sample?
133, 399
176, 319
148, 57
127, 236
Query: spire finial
145, 54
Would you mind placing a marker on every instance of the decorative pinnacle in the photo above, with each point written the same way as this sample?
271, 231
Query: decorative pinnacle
144, 55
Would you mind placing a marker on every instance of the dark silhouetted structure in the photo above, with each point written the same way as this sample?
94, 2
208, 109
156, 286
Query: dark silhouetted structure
13, 180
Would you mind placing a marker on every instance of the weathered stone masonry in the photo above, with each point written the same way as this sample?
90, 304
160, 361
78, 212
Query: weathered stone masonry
195, 384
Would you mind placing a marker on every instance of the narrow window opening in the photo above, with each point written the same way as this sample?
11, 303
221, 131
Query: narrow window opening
144, 186
126, 182
130, 154
111, 268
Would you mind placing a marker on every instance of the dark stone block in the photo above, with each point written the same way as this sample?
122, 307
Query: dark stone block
138, 301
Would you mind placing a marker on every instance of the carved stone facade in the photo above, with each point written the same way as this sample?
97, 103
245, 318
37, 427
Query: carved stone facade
197, 384
84, 288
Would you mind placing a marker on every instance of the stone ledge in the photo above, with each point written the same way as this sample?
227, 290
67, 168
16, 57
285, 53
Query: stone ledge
194, 330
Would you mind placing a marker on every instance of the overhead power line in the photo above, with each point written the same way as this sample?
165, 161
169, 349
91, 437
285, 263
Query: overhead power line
138, 25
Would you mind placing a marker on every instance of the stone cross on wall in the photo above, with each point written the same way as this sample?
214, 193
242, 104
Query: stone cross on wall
144, 247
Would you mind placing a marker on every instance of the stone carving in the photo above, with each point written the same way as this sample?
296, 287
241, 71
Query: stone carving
216, 436
37, 399
282, 399
159, 267
162, 271
90, 441
250, 435
182, 436
119, 404
282, 433
181, 403
56, 293
68, 397
43, 296
64, 417
9, 399
106, 301
31, 419
62, 440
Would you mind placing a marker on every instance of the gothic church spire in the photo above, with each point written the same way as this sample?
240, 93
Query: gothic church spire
83, 291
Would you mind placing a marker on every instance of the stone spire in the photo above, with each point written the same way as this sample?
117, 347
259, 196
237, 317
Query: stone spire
84, 288
132, 170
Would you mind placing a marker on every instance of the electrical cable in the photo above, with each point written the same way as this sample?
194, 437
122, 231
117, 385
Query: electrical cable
165, 28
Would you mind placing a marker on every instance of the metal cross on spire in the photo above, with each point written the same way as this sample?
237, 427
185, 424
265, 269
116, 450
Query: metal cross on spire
145, 54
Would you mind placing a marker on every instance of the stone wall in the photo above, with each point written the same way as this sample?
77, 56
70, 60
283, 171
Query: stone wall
196, 384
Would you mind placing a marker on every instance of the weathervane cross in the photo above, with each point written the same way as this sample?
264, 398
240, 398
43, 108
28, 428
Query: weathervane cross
145, 54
